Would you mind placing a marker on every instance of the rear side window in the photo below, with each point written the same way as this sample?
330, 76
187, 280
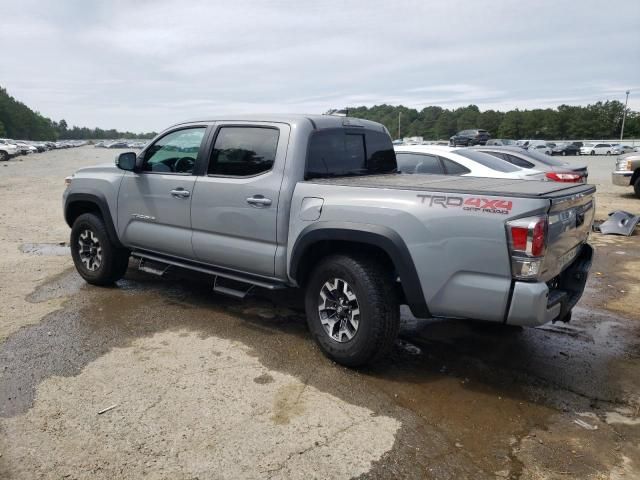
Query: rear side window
243, 151
340, 152
453, 168
487, 160
418, 163
520, 162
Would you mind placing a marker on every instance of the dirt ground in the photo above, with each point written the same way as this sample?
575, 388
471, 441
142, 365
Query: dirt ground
203, 386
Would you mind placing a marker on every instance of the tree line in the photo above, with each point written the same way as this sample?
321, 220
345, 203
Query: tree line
19, 122
600, 120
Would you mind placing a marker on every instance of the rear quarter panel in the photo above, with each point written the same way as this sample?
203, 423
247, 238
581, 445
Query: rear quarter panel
457, 242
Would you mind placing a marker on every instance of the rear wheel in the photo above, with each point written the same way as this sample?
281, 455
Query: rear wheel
636, 187
593, 152
564, 153
96, 258
608, 153
4, 156
352, 309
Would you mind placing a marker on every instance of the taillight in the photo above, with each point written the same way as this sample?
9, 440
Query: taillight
563, 177
527, 245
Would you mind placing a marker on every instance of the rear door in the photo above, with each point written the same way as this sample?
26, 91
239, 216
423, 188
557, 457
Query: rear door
154, 204
235, 204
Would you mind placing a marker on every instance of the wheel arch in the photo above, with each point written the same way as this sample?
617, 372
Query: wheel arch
77, 204
321, 239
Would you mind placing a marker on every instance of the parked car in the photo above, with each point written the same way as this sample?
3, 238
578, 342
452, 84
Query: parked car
434, 159
118, 145
8, 149
554, 169
540, 147
627, 172
564, 149
621, 149
500, 142
469, 137
357, 238
596, 149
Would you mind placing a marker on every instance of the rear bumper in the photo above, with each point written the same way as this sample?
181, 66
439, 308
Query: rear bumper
622, 179
534, 304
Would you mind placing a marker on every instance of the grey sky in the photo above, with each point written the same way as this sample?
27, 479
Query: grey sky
146, 64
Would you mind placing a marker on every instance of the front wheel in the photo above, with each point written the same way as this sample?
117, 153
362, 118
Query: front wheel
636, 187
4, 156
96, 258
593, 152
564, 154
352, 309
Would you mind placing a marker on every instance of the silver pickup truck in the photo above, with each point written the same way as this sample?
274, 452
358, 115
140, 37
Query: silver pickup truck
315, 202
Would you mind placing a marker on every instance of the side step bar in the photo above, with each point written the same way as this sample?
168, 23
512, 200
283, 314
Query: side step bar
216, 272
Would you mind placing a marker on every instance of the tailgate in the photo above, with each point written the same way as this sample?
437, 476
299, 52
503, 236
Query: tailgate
570, 219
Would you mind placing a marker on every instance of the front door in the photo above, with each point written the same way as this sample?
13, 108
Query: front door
154, 204
235, 205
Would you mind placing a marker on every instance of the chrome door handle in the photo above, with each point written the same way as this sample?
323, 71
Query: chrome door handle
259, 201
180, 193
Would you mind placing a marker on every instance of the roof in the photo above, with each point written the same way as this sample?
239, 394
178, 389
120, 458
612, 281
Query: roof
317, 121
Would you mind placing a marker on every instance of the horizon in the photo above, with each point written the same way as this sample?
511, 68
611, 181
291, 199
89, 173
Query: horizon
144, 66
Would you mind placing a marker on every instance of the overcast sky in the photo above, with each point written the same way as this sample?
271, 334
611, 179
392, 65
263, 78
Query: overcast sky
142, 65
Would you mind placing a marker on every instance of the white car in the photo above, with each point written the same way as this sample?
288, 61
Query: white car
442, 160
8, 149
540, 148
596, 149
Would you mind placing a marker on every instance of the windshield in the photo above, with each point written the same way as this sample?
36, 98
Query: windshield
487, 160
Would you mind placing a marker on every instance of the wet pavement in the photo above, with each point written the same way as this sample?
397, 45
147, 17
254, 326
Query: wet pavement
205, 386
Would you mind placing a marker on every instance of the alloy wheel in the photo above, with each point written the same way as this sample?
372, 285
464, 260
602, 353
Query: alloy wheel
90, 250
339, 310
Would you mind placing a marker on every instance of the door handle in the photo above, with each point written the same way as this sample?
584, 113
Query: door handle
259, 201
180, 193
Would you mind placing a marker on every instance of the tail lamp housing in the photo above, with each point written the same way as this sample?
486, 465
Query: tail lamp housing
564, 177
527, 246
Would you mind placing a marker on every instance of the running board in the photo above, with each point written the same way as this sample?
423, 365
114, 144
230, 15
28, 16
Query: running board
233, 288
144, 267
216, 272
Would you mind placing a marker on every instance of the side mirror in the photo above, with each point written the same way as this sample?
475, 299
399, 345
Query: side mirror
126, 161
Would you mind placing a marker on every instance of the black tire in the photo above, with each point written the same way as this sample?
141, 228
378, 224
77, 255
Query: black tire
608, 153
593, 152
636, 187
112, 263
4, 156
376, 299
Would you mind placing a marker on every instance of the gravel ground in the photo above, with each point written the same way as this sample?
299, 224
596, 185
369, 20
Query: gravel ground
210, 387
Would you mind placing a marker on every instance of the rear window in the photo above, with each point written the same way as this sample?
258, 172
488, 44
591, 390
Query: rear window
418, 163
487, 160
342, 152
542, 158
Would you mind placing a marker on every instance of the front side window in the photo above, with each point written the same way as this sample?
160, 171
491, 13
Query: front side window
176, 152
244, 151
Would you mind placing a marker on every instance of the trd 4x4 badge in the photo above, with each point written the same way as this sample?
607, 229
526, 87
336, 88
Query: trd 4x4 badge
474, 204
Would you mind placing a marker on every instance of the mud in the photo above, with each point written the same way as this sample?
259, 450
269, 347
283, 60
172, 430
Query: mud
211, 387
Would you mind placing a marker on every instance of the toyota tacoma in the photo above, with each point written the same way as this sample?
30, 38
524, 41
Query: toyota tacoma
315, 202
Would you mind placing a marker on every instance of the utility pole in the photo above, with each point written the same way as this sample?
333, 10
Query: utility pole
624, 116
400, 114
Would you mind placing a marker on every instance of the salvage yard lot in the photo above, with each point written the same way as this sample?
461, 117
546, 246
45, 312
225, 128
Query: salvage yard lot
210, 387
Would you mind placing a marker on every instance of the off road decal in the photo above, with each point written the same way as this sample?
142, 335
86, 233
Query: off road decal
473, 204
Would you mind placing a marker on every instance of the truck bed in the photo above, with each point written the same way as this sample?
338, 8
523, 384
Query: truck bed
464, 185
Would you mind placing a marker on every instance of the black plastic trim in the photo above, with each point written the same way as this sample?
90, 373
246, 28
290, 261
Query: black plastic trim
375, 235
101, 202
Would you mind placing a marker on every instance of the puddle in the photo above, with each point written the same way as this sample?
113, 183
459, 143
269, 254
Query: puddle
47, 249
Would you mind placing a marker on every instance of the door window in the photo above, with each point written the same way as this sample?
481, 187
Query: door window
453, 168
176, 152
418, 163
243, 151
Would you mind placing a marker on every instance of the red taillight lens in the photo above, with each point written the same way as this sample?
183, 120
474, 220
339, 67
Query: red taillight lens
528, 236
537, 244
563, 177
519, 238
